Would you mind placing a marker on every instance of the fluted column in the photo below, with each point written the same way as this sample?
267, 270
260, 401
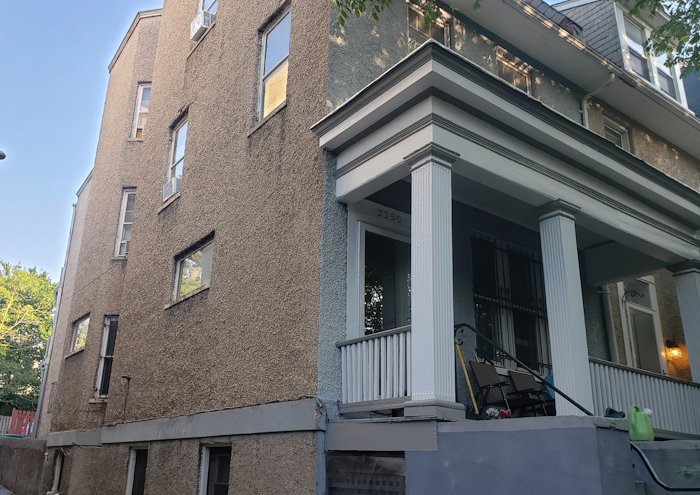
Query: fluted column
687, 277
565, 317
432, 310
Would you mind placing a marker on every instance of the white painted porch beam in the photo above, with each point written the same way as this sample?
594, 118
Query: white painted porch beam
565, 317
687, 277
432, 310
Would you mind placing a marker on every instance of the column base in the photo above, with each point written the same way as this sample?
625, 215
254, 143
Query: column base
438, 409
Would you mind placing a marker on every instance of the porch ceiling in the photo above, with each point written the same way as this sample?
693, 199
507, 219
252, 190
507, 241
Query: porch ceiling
509, 142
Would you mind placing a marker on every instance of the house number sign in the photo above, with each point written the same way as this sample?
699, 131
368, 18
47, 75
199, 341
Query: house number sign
388, 215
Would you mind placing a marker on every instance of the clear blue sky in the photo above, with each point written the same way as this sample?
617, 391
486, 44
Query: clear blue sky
53, 79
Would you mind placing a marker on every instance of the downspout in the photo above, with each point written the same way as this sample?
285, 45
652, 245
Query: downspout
586, 99
609, 325
49, 347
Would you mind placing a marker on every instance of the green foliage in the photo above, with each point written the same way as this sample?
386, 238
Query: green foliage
679, 36
26, 302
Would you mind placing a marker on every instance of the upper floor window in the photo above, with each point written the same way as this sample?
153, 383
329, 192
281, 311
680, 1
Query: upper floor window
80, 331
419, 32
275, 65
211, 6
651, 67
104, 369
126, 220
176, 163
143, 101
513, 70
616, 133
193, 271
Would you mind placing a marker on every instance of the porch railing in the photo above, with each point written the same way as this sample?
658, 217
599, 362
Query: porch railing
377, 367
675, 403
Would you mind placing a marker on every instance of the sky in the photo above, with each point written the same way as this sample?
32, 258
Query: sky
53, 80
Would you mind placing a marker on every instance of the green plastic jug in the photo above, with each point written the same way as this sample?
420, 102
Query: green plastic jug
640, 425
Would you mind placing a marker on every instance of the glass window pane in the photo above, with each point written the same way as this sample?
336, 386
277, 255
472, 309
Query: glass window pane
635, 35
106, 376
645, 341
139, 484
637, 292
666, 84
639, 65
275, 89
126, 232
277, 43
80, 330
145, 98
195, 271
180, 142
123, 248
387, 283
613, 136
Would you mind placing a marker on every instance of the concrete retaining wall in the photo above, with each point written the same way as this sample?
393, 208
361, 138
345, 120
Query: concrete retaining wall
22, 465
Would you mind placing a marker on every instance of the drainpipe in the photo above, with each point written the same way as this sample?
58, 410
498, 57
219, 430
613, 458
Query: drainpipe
609, 325
586, 99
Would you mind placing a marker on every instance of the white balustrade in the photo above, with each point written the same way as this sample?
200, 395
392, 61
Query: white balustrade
377, 367
675, 404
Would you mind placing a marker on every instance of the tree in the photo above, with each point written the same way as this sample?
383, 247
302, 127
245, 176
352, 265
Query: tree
678, 36
26, 302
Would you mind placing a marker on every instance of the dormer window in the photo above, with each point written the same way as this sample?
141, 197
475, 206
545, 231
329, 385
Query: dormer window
649, 66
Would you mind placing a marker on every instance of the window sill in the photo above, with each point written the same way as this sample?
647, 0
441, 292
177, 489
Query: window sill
169, 201
118, 258
134, 140
277, 110
97, 400
187, 296
74, 353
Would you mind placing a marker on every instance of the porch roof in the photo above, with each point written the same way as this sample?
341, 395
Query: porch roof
435, 92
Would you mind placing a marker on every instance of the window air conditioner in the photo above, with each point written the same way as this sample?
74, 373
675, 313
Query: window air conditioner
202, 21
171, 187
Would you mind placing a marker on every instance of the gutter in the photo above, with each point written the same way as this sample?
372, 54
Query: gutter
587, 98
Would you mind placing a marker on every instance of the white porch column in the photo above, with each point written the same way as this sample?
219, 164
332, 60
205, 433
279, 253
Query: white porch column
565, 317
432, 309
687, 277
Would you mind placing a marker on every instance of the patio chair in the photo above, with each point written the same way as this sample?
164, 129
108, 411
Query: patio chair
490, 384
529, 392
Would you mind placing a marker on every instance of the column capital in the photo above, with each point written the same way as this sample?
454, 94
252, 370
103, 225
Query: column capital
431, 153
555, 208
684, 267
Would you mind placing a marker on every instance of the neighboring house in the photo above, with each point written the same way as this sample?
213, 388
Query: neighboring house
286, 218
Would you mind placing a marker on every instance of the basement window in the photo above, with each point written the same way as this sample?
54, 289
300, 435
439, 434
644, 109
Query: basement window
193, 271
136, 481
214, 476
616, 133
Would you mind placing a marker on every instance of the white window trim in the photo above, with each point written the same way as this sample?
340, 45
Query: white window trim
263, 76
362, 217
620, 14
523, 68
178, 264
103, 355
619, 128
444, 21
625, 306
57, 472
122, 223
137, 112
132, 469
204, 470
172, 165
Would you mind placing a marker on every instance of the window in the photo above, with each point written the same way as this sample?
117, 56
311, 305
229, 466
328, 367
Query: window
275, 64
513, 70
143, 101
104, 369
216, 464
52, 397
419, 33
136, 481
80, 331
651, 67
509, 303
57, 472
616, 133
641, 324
176, 162
193, 271
211, 6
126, 220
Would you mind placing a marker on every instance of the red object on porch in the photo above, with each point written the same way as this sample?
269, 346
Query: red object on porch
21, 422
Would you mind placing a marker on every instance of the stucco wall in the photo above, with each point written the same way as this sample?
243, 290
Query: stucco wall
22, 465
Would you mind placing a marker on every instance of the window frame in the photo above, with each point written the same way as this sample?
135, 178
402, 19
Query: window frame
208, 241
649, 58
172, 163
626, 308
203, 7
620, 129
74, 326
103, 355
122, 223
138, 112
445, 24
378, 219
263, 76
516, 65
204, 466
133, 452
